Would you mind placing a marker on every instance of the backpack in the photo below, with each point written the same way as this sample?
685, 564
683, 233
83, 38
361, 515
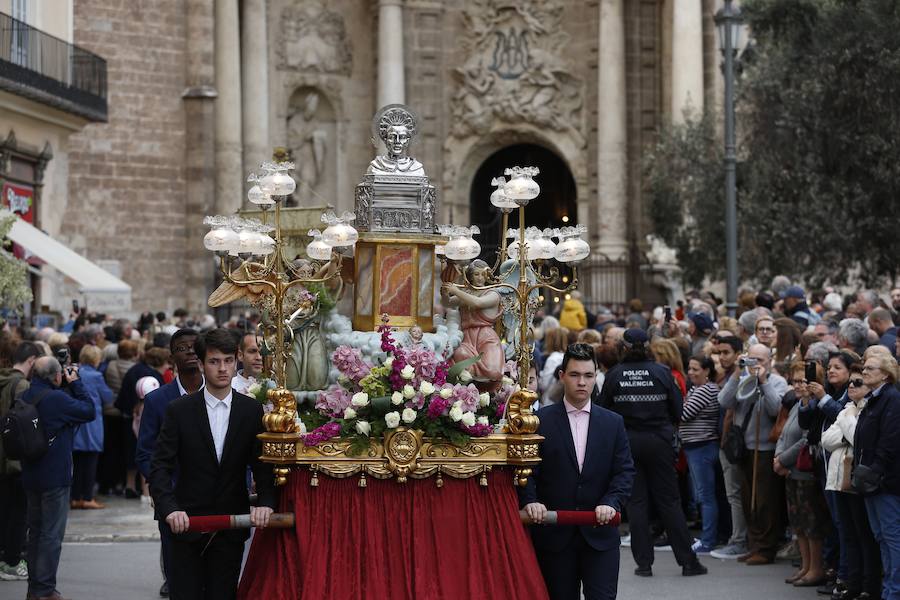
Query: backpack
22, 430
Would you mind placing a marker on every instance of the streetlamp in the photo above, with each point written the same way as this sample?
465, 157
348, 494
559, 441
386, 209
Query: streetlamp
728, 22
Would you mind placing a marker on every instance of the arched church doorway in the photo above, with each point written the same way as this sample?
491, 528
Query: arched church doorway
554, 207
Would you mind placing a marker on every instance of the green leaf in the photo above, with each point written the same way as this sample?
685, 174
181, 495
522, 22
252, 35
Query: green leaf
457, 368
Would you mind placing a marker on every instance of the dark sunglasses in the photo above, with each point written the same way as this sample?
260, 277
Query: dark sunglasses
856, 383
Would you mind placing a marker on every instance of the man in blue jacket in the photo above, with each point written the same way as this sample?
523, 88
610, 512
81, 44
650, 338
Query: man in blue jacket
188, 381
47, 481
585, 465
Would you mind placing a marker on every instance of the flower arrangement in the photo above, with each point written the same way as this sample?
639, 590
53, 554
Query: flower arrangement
412, 387
259, 389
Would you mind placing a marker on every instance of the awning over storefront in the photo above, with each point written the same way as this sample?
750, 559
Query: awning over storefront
103, 291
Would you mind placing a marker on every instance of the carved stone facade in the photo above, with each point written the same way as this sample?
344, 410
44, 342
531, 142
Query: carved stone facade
482, 75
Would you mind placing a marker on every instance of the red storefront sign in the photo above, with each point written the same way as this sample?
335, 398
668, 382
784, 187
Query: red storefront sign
19, 199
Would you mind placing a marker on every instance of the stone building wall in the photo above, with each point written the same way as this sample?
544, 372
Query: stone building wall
126, 177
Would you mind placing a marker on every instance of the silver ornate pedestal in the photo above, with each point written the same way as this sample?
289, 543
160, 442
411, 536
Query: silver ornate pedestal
395, 203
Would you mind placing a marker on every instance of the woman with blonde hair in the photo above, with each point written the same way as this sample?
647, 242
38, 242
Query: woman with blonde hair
666, 352
88, 442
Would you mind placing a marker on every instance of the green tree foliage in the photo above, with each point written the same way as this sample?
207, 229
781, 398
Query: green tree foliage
14, 289
819, 151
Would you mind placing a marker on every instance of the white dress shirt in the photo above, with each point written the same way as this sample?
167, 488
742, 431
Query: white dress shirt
183, 391
218, 412
242, 384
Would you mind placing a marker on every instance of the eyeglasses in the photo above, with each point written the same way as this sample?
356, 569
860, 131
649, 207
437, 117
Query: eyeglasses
857, 383
184, 348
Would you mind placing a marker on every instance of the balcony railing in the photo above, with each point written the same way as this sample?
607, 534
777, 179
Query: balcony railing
50, 70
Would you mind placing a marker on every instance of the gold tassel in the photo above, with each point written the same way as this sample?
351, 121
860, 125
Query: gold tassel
314, 481
482, 481
362, 480
439, 481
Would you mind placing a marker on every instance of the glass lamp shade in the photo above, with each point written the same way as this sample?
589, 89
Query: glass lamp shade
531, 252
501, 200
258, 197
340, 234
544, 248
572, 249
249, 242
462, 248
318, 250
266, 244
522, 188
221, 240
277, 183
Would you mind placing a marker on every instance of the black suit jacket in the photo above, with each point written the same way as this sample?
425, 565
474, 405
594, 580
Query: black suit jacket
605, 478
204, 486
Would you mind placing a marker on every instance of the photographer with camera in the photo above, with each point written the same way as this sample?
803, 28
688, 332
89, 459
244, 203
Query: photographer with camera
48, 479
755, 391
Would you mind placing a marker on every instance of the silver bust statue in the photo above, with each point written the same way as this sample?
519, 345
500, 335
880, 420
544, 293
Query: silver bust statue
396, 126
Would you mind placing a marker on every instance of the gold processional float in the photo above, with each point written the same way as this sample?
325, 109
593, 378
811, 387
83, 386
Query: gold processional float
394, 258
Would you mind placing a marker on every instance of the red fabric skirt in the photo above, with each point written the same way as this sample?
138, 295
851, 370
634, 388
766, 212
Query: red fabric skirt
395, 540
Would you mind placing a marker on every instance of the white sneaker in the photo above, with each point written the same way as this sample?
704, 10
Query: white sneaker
17, 572
625, 540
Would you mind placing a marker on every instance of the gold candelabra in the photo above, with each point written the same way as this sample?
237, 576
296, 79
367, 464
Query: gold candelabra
275, 284
533, 251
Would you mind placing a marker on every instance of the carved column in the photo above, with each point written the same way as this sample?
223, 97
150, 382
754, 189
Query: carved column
254, 84
199, 99
687, 58
229, 165
391, 80
612, 131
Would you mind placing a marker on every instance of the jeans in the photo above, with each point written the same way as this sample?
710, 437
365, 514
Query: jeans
702, 464
731, 474
840, 531
47, 514
884, 517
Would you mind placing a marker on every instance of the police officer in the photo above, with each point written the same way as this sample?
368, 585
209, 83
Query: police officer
645, 394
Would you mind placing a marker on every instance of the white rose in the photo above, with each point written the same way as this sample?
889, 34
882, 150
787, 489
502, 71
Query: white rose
456, 412
465, 376
409, 391
484, 399
408, 372
409, 415
483, 421
349, 413
396, 398
392, 419
254, 389
363, 427
446, 392
506, 381
359, 399
426, 388
468, 418
389, 361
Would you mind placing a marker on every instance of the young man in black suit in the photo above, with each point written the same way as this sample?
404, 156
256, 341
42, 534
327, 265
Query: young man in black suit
207, 440
585, 465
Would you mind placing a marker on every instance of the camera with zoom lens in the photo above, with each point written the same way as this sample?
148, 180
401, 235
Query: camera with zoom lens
63, 357
747, 362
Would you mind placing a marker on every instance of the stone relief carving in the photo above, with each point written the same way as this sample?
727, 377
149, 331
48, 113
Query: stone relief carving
514, 71
312, 133
314, 39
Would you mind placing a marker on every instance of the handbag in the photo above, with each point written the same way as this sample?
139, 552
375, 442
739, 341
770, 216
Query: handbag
805, 462
865, 480
845, 476
733, 446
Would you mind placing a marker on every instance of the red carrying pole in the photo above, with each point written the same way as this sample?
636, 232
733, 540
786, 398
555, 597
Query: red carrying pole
208, 523
571, 517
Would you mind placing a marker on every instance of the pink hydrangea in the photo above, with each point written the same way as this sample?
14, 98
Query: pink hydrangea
468, 396
350, 363
425, 362
333, 401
